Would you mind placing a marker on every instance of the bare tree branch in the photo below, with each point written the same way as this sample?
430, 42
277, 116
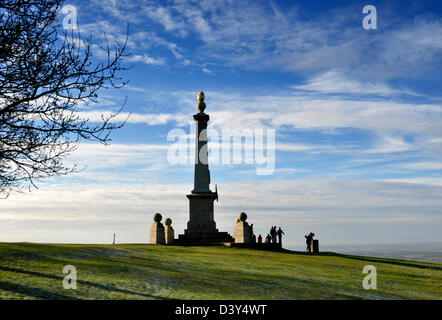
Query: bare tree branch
45, 77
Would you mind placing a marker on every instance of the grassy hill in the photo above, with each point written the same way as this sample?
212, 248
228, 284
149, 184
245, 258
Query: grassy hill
34, 271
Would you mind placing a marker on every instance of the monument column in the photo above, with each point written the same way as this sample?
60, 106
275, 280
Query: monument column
202, 173
201, 227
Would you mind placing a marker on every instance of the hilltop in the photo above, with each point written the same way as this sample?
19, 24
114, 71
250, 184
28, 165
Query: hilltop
35, 271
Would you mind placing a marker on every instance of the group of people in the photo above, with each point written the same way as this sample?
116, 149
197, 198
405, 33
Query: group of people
275, 236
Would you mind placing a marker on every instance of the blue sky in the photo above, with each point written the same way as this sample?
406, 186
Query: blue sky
357, 115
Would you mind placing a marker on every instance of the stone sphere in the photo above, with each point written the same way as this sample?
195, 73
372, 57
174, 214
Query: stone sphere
168, 222
242, 217
157, 217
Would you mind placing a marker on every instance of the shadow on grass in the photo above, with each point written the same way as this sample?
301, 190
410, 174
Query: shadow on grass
88, 283
388, 261
33, 292
371, 259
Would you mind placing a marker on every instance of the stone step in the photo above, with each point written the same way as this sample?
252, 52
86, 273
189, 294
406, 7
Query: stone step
204, 238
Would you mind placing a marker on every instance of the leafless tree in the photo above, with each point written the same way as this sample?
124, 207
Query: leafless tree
47, 75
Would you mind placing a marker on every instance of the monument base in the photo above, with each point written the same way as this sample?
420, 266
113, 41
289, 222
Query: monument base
199, 238
201, 228
257, 246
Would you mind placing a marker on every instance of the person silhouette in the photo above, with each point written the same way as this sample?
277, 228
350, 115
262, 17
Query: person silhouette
308, 241
259, 239
268, 238
273, 234
280, 233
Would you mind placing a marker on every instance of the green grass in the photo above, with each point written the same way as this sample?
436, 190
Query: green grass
34, 271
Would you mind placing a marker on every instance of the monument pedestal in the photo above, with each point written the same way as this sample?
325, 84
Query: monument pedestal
201, 212
157, 233
315, 246
242, 232
201, 228
169, 233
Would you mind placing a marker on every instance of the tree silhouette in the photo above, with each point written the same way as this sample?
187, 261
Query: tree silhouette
47, 76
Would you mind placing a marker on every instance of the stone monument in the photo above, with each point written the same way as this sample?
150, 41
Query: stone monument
201, 228
241, 233
169, 232
157, 230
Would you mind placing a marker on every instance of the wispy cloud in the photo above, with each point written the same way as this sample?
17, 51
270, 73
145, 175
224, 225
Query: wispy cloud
286, 108
166, 18
147, 60
337, 82
391, 144
147, 118
268, 36
422, 165
418, 181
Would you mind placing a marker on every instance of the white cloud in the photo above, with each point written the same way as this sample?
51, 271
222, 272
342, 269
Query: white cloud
265, 36
165, 17
147, 60
419, 180
205, 70
96, 156
337, 82
254, 35
136, 89
422, 165
390, 144
65, 213
395, 131
122, 9
147, 118
408, 51
383, 117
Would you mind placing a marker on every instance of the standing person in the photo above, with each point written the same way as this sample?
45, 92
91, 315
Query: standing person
259, 239
309, 240
252, 236
273, 234
280, 233
253, 239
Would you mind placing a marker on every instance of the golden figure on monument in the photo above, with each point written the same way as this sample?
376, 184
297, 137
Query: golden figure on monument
201, 105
